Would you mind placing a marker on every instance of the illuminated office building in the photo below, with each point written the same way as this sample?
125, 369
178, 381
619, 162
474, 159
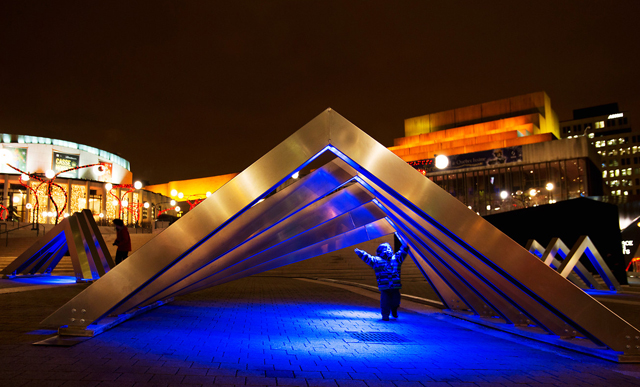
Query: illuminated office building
610, 133
502, 155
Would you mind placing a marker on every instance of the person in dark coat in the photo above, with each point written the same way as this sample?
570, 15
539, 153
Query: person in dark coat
123, 241
387, 268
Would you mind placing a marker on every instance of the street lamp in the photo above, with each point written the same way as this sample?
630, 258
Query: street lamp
442, 161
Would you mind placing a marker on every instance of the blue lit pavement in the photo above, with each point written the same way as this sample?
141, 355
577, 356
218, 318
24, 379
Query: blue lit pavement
274, 331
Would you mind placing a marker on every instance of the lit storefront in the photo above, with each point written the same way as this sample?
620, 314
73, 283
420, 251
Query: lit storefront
43, 178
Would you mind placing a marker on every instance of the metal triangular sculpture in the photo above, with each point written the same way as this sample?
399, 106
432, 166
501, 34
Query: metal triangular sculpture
363, 193
79, 235
569, 265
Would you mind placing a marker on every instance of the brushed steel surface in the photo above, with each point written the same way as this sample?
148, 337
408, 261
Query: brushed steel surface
485, 262
548, 256
585, 246
224, 248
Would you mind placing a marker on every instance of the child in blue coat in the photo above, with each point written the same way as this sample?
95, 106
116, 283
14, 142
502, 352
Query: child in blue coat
387, 268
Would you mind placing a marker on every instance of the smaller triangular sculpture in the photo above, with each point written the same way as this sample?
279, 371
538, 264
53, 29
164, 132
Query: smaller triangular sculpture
78, 234
569, 266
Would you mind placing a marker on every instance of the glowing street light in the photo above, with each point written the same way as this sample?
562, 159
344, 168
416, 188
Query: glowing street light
504, 195
442, 161
108, 186
172, 202
50, 174
137, 185
533, 192
549, 186
177, 208
174, 192
180, 195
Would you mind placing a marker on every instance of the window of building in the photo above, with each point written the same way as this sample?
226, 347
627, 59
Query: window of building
611, 142
637, 181
623, 161
604, 174
599, 124
611, 122
629, 171
621, 140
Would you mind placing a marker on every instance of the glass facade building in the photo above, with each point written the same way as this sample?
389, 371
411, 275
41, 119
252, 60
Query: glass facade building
492, 190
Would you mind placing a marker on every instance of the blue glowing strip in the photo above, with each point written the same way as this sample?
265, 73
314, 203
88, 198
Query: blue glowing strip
41, 255
462, 262
247, 241
198, 244
466, 246
431, 251
409, 242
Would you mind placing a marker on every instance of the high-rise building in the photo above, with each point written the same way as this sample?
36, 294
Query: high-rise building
610, 132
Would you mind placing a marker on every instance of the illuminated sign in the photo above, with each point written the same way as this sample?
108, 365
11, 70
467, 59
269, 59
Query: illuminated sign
63, 161
625, 247
617, 115
495, 157
16, 157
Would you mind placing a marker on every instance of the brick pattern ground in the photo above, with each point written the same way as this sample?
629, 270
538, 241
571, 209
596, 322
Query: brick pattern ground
262, 331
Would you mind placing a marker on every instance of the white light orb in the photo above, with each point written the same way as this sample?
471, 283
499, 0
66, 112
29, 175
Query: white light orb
114, 202
177, 208
174, 192
17, 199
66, 214
549, 186
488, 207
50, 174
442, 161
99, 170
24, 177
146, 205
180, 195
533, 192
173, 203
101, 215
125, 203
504, 195
29, 206
137, 185
295, 175
208, 193
108, 186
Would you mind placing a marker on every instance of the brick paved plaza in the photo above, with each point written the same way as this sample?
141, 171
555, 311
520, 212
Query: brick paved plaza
275, 331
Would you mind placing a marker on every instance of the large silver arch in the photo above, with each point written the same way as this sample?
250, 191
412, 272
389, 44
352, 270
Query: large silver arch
364, 193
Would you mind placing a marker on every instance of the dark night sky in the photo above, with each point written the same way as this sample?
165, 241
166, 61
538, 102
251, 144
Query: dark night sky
198, 88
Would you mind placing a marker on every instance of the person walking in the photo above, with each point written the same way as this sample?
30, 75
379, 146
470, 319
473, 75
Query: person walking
386, 265
123, 241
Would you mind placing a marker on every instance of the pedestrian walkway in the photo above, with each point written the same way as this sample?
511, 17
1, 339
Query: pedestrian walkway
274, 331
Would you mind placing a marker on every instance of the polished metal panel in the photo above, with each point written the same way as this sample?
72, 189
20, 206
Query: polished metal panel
584, 246
338, 230
468, 260
80, 235
362, 234
228, 246
580, 275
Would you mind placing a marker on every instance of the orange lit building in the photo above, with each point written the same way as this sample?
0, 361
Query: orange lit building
502, 155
